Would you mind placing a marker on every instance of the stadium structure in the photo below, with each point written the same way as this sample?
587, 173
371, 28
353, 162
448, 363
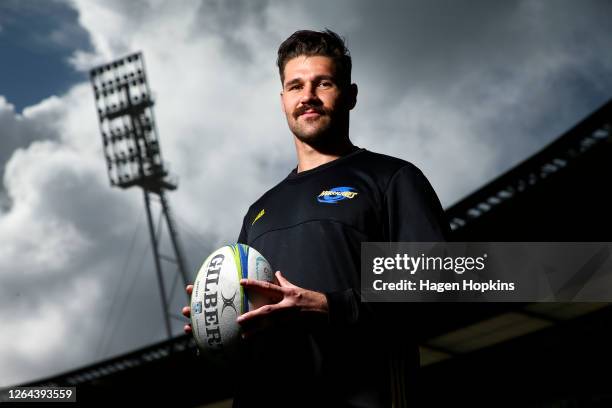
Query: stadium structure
493, 354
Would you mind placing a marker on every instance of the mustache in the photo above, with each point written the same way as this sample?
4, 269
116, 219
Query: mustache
303, 109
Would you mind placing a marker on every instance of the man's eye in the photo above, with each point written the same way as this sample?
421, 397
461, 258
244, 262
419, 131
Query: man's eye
325, 84
294, 87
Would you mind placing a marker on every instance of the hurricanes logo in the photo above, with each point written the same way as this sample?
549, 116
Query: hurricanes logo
336, 194
228, 302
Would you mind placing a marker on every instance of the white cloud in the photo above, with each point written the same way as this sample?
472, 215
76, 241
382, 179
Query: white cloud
48, 321
42, 249
35, 123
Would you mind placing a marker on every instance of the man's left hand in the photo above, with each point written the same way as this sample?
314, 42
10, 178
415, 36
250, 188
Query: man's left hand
288, 300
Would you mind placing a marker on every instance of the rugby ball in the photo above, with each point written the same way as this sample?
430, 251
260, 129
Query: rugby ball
218, 298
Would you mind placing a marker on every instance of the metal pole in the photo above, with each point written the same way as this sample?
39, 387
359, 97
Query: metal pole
160, 278
175, 240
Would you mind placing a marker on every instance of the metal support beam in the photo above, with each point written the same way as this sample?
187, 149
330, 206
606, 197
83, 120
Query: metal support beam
160, 277
174, 238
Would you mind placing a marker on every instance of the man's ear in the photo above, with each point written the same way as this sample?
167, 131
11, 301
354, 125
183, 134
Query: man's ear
352, 96
282, 104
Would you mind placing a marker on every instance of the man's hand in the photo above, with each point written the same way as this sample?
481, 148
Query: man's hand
289, 300
186, 311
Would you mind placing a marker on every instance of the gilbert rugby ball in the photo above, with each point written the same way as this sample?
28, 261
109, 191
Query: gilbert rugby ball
218, 298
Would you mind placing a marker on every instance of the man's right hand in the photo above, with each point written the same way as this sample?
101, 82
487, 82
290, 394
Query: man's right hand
186, 311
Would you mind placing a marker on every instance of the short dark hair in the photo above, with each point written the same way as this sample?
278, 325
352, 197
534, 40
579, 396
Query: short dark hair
310, 43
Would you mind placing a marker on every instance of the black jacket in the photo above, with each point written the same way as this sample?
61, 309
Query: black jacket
310, 227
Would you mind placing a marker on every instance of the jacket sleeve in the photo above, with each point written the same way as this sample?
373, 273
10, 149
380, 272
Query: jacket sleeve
411, 213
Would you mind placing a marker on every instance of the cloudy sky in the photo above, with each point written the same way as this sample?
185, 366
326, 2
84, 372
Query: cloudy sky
465, 90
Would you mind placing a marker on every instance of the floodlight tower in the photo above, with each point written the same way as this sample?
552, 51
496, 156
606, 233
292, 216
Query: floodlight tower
132, 151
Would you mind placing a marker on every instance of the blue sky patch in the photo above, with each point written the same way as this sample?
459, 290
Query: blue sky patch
36, 40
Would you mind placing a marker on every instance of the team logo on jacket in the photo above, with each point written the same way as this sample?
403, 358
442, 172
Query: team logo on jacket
261, 214
332, 196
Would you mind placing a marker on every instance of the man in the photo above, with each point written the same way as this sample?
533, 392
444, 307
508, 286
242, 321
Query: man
318, 344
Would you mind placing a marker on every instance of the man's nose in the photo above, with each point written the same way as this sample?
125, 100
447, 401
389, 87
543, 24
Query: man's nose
308, 93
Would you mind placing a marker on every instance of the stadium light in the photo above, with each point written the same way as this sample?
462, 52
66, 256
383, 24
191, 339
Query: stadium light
132, 151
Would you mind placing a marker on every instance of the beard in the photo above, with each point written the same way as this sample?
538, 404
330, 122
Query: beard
312, 130
320, 131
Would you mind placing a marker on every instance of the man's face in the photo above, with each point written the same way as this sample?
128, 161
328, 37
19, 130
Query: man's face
312, 98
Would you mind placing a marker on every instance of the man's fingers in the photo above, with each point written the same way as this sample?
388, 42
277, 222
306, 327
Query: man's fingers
259, 312
283, 281
186, 311
254, 283
269, 290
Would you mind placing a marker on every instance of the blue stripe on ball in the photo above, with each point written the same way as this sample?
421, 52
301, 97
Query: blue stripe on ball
244, 263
